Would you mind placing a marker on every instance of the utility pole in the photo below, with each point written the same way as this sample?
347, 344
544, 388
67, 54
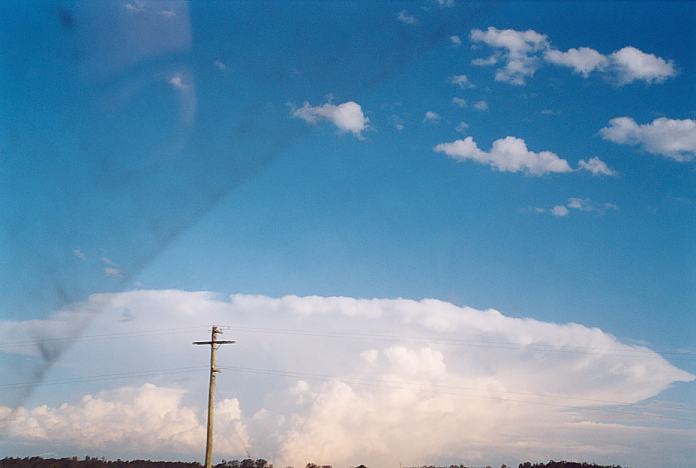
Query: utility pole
214, 345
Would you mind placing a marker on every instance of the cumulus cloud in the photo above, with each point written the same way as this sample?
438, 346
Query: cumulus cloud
521, 53
481, 105
632, 64
459, 102
455, 40
343, 380
596, 167
177, 81
671, 138
431, 116
347, 117
578, 204
405, 17
219, 64
509, 154
138, 419
461, 80
583, 60
461, 127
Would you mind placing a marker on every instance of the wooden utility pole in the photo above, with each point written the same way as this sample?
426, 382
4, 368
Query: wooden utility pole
214, 345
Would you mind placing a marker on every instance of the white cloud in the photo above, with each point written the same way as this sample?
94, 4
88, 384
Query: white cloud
519, 51
403, 388
177, 81
522, 51
347, 117
672, 138
481, 105
596, 167
141, 419
461, 80
583, 60
459, 102
462, 127
509, 154
445, 3
134, 6
579, 204
395, 378
406, 18
632, 64
431, 116
167, 13
559, 211
219, 64
79, 254
455, 40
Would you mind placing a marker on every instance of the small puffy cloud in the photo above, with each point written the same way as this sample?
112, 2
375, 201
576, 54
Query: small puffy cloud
431, 116
583, 60
509, 154
632, 64
671, 138
481, 105
518, 51
406, 18
521, 52
167, 14
445, 3
177, 81
219, 64
461, 127
459, 102
134, 6
455, 40
79, 254
461, 80
596, 167
579, 204
559, 211
347, 117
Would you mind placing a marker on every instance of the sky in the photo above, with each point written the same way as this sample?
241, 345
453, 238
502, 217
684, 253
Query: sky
440, 231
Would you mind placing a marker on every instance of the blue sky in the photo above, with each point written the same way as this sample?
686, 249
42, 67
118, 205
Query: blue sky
202, 147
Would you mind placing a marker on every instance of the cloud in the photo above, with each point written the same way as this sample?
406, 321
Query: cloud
672, 138
177, 81
431, 116
112, 272
445, 3
79, 254
632, 64
459, 102
522, 52
347, 117
509, 154
583, 60
355, 380
461, 80
406, 18
462, 127
579, 204
596, 167
134, 6
138, 419
167, 13
455, 40
519, 51
559, 211
481, 105
219, 64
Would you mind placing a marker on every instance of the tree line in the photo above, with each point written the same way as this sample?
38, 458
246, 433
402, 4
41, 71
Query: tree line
93, 462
